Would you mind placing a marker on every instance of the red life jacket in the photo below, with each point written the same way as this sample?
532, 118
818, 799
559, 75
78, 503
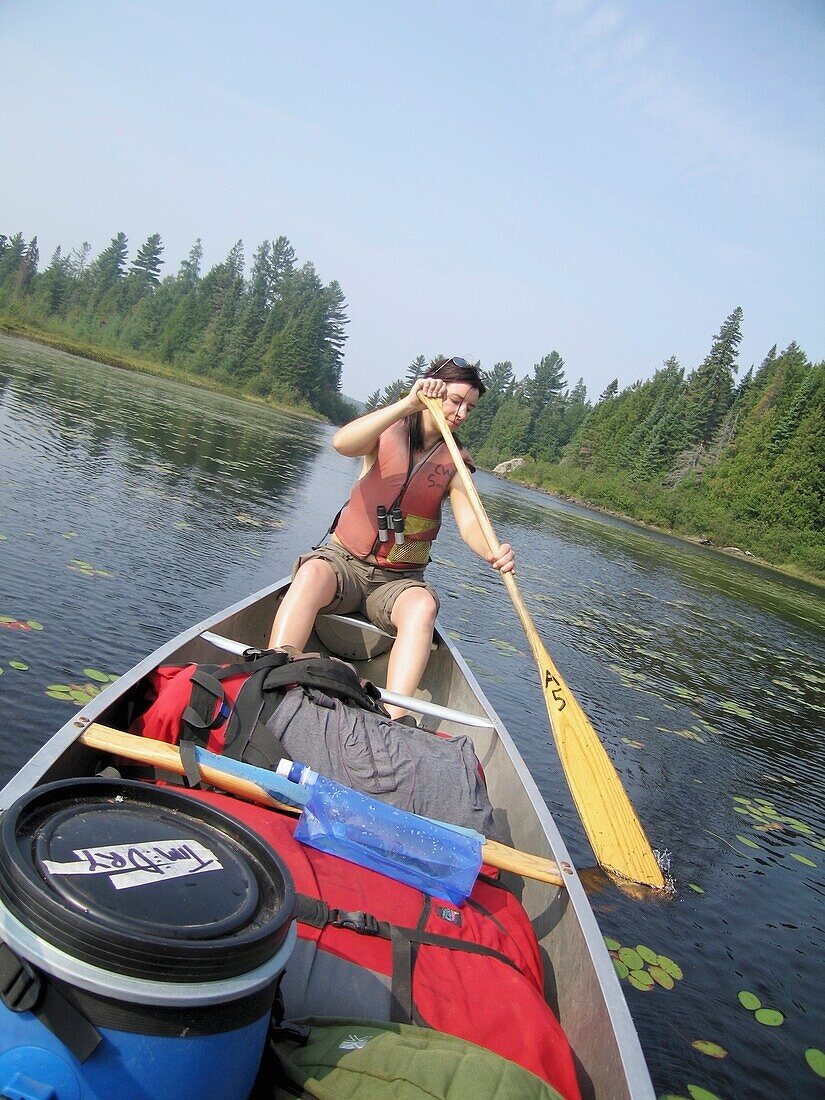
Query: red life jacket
371, 947
391, 481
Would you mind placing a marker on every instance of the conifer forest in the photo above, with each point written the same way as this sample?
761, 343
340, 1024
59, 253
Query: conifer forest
732, 457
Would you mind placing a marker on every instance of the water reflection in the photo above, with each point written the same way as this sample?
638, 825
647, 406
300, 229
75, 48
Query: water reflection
151, 426
695, 567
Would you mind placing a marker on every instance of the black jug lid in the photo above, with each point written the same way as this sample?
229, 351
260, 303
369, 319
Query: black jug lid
143, 881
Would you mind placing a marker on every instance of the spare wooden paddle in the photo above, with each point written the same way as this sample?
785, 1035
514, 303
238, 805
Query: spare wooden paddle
613, 829
251, 783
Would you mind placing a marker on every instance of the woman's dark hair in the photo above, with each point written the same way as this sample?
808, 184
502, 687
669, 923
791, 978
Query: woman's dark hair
453, 369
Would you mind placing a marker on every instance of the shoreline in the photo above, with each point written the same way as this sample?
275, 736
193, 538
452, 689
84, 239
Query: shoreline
734, 552
122, 361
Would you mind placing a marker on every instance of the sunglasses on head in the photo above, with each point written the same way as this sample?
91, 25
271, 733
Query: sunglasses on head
456, 359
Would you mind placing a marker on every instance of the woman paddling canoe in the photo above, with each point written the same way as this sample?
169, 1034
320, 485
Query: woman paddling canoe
380, 543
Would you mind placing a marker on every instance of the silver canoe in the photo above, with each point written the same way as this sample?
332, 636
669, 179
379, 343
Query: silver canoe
581, 983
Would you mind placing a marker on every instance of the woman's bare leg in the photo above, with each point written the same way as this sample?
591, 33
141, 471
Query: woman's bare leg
313, 587
413, 616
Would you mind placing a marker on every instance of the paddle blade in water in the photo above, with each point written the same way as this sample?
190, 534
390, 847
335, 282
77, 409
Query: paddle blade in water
612, 826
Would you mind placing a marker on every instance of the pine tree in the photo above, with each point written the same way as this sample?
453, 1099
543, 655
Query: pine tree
145, 270
500, 384
11, 260
414, 371
543, 393
185, 321
29, 266
710, 387
393, 392
54, 285
106, 276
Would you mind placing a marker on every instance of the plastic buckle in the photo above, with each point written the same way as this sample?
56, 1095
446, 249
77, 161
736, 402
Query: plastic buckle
294, 1033
21, 983
364, 923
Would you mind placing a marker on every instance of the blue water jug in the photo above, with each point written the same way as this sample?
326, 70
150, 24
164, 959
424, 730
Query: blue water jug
143, 935
441, 860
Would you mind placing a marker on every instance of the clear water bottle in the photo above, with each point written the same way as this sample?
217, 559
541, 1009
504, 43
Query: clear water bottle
438, 859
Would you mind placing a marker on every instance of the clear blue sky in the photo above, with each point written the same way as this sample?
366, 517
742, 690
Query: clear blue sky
493, 178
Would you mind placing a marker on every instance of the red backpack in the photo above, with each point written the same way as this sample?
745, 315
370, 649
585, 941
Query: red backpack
224, 708
371, 947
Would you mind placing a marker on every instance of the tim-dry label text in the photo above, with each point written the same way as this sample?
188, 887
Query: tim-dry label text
130, 865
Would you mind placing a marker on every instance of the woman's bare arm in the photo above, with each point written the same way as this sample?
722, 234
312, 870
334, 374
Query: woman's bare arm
360, 437
470, 530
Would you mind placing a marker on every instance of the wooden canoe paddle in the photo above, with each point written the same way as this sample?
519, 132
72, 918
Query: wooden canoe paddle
610, 822
234, 777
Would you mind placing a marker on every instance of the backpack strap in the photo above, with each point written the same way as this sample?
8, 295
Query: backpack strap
334, 677
405, 943
269, 674
200, 716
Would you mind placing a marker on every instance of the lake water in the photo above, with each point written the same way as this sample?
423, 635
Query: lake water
131, 507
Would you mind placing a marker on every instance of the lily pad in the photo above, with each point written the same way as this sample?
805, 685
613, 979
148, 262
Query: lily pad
64, 695
670, 967
696, 889
698, 1093
640, 979
733, 708
816, 1060
21, 666
661, 977
94, 674
795, 823
770, 1017
802, 859
646, 953
691, 735
621, 969
747, 841
632, 959
713, 1050
611, 944
749, 1000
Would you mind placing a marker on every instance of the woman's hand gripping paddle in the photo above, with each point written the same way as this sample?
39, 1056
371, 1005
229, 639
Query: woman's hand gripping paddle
613, 829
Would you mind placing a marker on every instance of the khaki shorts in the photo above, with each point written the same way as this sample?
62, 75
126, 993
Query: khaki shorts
366, 588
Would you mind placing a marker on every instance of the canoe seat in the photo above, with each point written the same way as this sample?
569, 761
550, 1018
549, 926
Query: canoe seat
351, 638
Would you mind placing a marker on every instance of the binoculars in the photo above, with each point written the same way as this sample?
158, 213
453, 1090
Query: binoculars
390, 521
